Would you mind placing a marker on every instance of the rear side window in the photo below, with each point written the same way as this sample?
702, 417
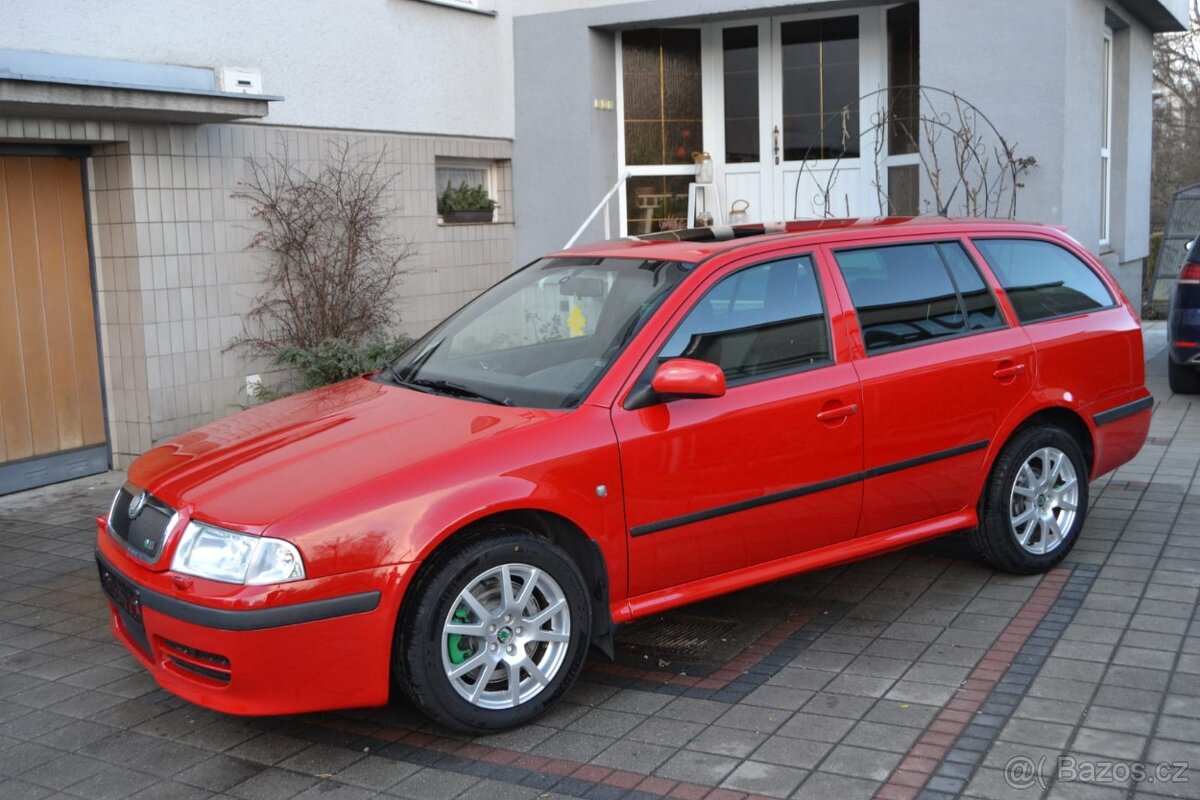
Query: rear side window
1042, 279
763, 320
906, 294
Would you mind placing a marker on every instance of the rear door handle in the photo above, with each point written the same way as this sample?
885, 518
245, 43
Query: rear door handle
1007, 373
841, 412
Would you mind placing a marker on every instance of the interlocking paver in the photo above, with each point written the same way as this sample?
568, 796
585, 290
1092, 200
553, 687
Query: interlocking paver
921, 673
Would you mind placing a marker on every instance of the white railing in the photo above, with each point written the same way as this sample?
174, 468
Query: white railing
601, 206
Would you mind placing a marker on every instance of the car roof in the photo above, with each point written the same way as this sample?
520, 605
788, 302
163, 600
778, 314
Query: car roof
693, 245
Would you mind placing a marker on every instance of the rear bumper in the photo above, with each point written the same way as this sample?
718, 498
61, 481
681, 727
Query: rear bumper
1183, 325
325, 653
1184, 354
1120, 430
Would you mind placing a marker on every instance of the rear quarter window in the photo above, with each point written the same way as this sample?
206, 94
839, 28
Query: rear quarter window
1044, 280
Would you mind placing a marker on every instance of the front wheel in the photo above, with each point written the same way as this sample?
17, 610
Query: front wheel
1034, 503
497, 633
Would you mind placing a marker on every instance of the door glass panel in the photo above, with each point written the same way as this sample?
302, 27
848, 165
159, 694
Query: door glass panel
820, 89
903, 295
904, 196
741, 94
982, 312
661, 80
904, 76
656, 203
763, 320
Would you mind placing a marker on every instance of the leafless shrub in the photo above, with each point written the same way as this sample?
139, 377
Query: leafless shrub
966, 166
331, 262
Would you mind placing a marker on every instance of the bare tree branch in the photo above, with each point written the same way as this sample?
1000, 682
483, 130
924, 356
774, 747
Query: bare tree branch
331, 262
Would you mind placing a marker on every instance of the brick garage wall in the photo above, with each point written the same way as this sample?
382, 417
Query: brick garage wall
173, 275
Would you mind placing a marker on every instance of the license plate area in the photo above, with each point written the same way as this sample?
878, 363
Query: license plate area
123, 594
127, 599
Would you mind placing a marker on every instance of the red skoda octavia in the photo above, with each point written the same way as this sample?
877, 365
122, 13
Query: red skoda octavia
616, 430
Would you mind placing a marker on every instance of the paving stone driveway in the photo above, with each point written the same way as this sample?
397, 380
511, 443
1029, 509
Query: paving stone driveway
921, 673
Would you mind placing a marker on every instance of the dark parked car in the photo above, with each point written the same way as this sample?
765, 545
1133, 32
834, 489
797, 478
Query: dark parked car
1183, 326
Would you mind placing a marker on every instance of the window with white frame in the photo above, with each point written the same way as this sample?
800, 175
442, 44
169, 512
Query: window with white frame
1106, 140
459, 176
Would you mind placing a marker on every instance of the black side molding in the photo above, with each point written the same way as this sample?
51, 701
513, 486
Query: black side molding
258, 619
744, 505
909, 463
1123, 411
806, 489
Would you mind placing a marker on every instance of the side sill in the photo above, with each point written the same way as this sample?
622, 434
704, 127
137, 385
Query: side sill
828, 556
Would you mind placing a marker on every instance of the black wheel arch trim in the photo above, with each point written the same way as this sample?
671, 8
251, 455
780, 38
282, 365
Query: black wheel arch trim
252, 619
1124, 410
806, 489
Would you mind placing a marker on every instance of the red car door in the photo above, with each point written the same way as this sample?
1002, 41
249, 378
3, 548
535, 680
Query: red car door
765, 471
940, 369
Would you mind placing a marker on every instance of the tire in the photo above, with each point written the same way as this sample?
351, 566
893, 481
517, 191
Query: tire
1025, 525
461, 640
1183, 378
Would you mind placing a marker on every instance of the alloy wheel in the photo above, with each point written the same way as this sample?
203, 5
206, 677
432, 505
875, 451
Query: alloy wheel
1044, 501
506, 636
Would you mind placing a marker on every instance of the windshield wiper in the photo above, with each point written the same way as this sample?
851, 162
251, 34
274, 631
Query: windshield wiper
456, 389
388, 375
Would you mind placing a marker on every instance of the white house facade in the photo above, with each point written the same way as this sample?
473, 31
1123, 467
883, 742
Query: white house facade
811, 110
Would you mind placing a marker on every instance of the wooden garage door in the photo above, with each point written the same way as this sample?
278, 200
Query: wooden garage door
51, 409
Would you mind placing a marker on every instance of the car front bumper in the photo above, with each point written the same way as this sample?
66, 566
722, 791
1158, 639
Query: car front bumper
254, 656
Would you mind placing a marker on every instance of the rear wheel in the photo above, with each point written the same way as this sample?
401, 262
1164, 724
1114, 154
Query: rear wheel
496, 634
1183, 378
1035, 501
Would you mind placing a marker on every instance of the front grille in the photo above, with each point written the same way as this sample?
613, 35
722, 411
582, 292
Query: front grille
144, 533
198, 662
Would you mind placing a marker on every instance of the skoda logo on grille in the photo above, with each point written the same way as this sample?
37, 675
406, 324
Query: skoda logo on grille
137, 504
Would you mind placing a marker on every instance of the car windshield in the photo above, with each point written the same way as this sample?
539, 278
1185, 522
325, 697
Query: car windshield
542, 337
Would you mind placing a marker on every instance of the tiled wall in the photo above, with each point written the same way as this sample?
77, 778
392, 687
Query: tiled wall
174, 277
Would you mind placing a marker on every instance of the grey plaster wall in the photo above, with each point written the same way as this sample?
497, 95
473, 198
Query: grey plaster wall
568, 145
993, 66
392, 65
555, 175
1037, 73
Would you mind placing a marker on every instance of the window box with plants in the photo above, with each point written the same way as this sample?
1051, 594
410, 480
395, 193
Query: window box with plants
465, 204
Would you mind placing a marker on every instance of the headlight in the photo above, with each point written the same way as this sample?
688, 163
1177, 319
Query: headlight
220, 555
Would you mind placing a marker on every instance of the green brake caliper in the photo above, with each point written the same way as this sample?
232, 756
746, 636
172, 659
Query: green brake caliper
459, 649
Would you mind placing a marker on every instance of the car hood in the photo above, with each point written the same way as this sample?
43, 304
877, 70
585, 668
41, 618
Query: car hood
253, 468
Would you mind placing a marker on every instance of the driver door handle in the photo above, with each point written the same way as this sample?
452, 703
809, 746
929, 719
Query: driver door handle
841, 412
1009, 372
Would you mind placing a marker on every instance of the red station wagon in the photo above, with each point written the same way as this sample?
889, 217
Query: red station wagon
620, 429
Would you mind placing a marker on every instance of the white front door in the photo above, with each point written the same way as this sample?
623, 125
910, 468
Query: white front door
788, 126
776, 102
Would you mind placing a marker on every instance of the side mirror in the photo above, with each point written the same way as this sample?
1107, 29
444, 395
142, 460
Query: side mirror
687, 377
